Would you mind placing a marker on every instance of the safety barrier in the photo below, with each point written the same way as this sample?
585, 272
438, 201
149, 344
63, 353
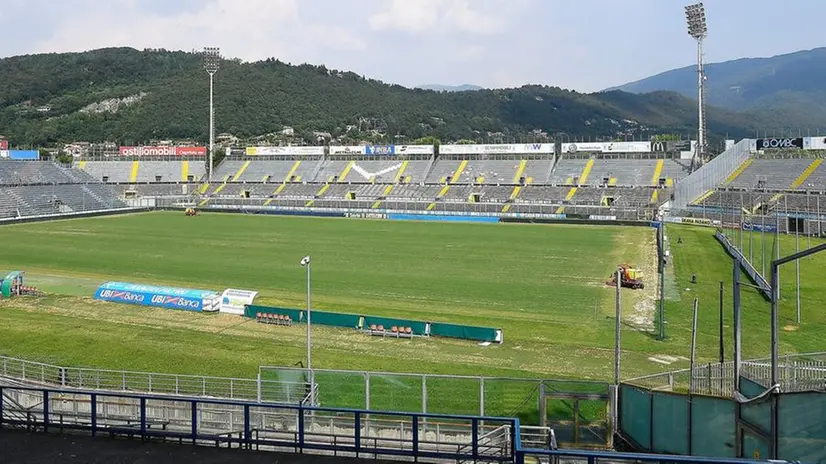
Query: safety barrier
382, 324
296, 429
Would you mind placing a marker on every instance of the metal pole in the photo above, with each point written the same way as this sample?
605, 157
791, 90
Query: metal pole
617, 331
777, 243
662, 282
737, 340
797, 268
309, 329
693, 346
700, 101
211, 127
775, 294
722, 348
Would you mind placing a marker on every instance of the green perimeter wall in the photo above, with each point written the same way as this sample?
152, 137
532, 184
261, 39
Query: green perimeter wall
353, 321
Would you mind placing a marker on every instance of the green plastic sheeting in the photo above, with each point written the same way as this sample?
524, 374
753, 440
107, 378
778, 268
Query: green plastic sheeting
354, 321
801, 426
351, 321
669, 431
419, 328
712, 427
635, 415
466, 332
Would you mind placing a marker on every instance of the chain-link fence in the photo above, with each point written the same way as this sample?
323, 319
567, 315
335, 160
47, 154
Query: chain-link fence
438, 394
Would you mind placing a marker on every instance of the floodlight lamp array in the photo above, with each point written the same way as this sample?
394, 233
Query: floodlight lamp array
212, 59
695, 16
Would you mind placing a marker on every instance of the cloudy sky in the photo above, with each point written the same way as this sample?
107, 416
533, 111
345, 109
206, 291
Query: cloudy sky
585, 45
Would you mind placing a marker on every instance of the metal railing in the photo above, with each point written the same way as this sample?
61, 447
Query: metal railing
34, 373
798, 373
291, 428
296, 429
709, 176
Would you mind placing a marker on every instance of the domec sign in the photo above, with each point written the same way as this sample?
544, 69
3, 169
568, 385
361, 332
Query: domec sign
774, 143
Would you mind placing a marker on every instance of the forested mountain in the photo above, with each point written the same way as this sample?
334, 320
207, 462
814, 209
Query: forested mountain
792, 87
131, 97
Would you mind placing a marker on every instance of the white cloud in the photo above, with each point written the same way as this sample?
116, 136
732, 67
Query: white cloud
247, 29
426, 16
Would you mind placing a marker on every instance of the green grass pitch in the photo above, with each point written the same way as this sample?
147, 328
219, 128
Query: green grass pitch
544, 285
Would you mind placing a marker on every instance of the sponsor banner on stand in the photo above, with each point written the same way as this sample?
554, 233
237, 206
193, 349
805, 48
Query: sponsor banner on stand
415, 149
163, 151
348, 150
582, 147
191, 151
759, 227
516, 148
4, 153
264, 151
779, 143
24, 154
627, 147
234, 300
606, 147
380, 150
595, 217
814, 143
4, 145
671, 146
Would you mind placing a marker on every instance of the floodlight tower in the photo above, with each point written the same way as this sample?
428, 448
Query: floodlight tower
212, 61
695, 16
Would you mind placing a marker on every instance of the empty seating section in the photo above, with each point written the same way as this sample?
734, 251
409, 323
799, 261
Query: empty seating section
30, 188
38, 172
674, 169
568, 170
489, 171
160, 190
442, 170
144, 171
771, 173
817, 179
536, 171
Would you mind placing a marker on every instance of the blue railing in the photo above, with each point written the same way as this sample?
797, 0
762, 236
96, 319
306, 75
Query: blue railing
293, 427
254, 424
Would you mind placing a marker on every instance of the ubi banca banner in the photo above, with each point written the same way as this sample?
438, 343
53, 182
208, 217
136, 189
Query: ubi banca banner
163, 151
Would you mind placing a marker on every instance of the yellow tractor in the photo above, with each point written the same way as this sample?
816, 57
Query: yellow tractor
631, 278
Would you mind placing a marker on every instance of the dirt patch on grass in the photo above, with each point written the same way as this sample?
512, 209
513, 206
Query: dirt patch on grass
638, 248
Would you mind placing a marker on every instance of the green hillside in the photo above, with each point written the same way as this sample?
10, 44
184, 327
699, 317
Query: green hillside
140, 96
790, 86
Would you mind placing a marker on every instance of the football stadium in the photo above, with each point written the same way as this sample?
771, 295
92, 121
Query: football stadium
455, 280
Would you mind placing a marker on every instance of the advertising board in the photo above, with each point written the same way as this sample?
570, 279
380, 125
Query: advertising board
163, 297
4, 153
779, 143
627, 147
581, 147
380, 150
415, 149
263, 151
234, 300
191, 151
4, 144
148, 151
814, 143
24, 154
348, 150
606, 147
517, 148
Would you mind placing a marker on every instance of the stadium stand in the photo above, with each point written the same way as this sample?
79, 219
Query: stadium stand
157, 171
31, 188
